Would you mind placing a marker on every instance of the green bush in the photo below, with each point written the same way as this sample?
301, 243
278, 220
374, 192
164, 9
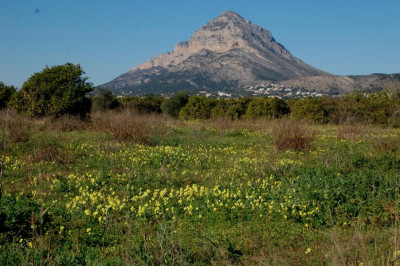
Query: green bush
231, 108
310, 109
150, 104
375, 108
173, 105
6, 93
267, 107
220, 109
104, 100
56, 91
198, 107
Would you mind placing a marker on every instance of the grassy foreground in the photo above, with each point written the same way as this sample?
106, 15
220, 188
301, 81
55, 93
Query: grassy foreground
150, 190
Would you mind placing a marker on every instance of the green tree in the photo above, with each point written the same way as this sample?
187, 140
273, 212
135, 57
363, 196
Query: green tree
220, 109
104, 100
173, 105
56, 91
310, 109
198, 107
6, 93
267, 107
230, 108
149, 104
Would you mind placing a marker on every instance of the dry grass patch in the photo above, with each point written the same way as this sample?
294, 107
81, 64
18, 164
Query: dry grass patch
127, 126
66, 123
226, 123
16, 128
292, 135
49, 154
353, 132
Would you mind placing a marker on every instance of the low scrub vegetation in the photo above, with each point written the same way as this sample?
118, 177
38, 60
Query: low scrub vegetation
292, 135
130, 127
382, 108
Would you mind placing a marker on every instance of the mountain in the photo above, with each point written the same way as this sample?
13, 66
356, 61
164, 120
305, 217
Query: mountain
334, 85
229, 54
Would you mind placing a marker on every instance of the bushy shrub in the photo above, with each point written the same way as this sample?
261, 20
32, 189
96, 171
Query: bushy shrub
374, 108
56, 91
173, 105
150, 104
198, 107
220, 108
104, 100
6, 92
230, 108
267, 107
310, 109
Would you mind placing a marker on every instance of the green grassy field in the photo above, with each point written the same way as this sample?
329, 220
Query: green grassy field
200, 193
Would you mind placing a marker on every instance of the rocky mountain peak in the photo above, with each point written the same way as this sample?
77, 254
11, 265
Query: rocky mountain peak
227, 50
226, 18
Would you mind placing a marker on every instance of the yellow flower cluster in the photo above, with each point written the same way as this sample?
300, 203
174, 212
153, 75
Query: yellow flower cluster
262, 196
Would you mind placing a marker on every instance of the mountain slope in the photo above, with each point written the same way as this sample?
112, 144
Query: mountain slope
228, 53
344, 84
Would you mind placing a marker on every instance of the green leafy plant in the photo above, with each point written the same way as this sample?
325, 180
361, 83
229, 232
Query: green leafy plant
104, 100
310, 109
267, 107
198, 107
56, 91
173, 105
6, 93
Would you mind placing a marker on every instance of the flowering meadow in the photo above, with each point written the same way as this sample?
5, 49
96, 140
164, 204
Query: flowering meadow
201, 194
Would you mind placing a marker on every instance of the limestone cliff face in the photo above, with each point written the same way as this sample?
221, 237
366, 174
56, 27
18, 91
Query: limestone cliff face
227, 51
222, 34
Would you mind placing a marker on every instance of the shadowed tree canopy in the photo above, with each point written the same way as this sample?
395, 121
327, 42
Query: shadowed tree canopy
175, 103
104, 100
6, 92
56, 91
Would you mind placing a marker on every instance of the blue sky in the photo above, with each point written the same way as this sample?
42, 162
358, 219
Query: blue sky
107, 38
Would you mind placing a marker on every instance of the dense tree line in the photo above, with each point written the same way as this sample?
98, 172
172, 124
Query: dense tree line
62, 90
381, 108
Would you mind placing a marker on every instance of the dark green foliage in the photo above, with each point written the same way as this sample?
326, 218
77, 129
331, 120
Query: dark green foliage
173, 105
310, 109
56, 91
198, 107
220, 109
15, 216
231, 108
375, 108
104, 100
267, 107
381, 108
6, 92
150, 104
